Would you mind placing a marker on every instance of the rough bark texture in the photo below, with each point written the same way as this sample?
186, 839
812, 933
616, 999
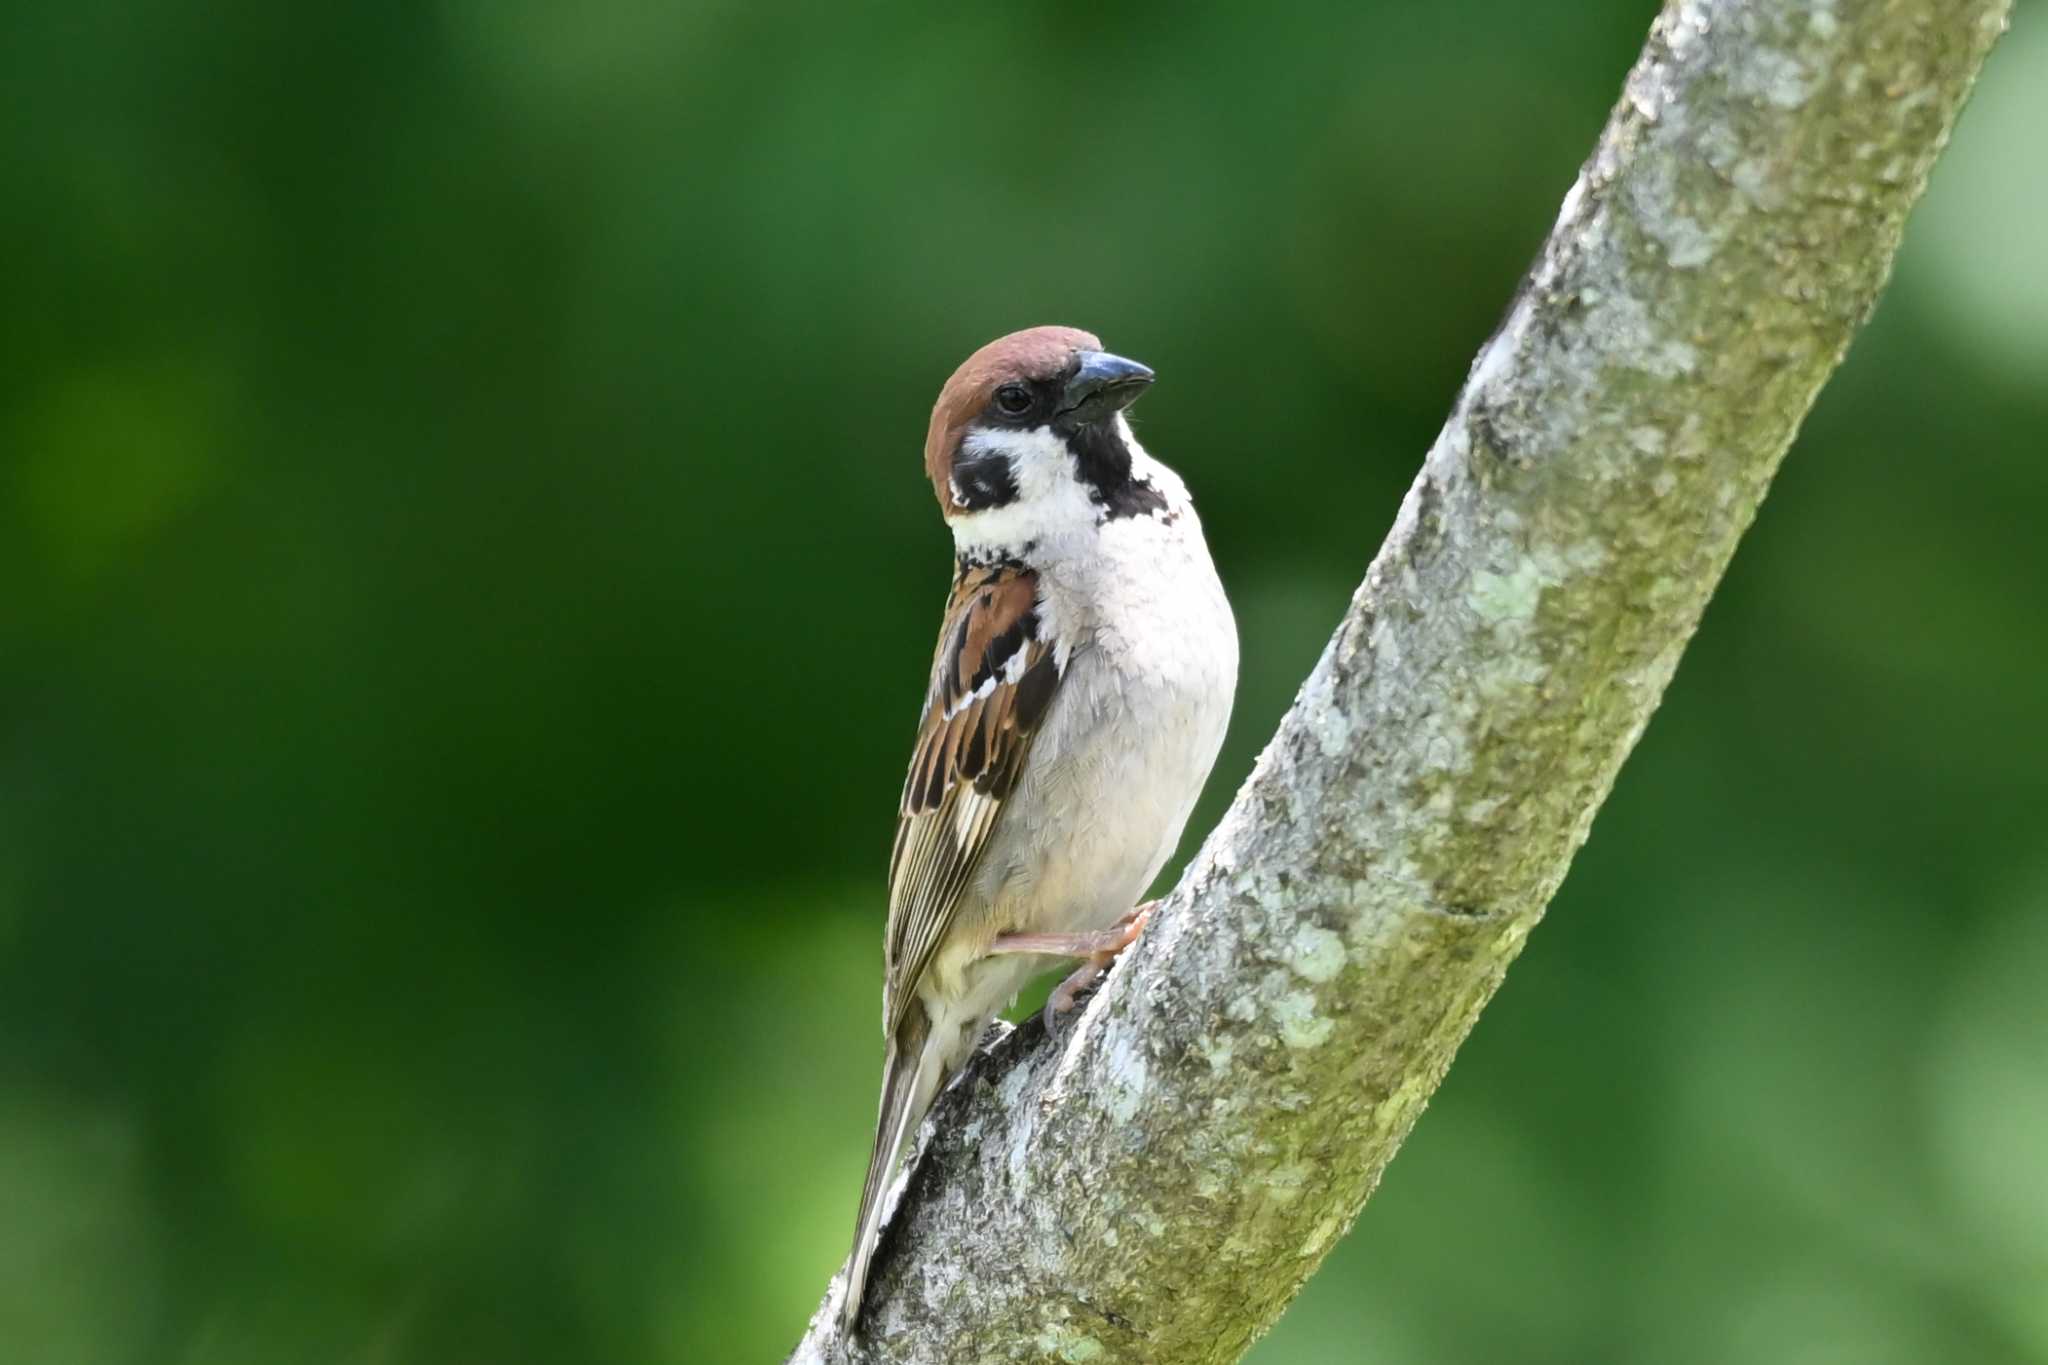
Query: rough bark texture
1156, 1184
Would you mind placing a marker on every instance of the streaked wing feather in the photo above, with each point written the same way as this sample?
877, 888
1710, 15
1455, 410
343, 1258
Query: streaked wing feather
992, 679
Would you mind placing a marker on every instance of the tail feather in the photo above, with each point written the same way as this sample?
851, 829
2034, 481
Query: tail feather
909, 1081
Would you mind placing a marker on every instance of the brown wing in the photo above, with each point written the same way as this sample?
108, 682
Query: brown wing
992, 678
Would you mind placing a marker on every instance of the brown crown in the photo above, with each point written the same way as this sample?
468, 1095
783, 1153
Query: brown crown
1032, 354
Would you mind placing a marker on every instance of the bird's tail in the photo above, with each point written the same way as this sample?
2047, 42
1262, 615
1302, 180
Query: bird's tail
910, 1078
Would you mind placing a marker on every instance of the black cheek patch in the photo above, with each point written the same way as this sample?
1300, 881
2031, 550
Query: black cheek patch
983, 479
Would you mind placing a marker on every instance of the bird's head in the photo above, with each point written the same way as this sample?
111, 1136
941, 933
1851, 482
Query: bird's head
1028, 439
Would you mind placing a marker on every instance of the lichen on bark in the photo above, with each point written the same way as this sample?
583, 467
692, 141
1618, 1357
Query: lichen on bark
1155, 1184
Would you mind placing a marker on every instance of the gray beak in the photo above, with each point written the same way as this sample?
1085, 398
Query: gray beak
1104, 384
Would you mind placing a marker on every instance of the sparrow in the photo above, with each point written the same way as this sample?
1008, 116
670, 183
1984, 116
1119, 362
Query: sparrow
1078, 696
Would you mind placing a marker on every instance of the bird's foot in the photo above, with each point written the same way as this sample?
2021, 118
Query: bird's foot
1100, 949
1107, 947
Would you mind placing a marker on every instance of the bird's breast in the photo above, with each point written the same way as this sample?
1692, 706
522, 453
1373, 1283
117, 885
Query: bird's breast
1126, 746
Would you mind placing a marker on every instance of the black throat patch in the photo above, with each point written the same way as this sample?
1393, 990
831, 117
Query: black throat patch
1104, 464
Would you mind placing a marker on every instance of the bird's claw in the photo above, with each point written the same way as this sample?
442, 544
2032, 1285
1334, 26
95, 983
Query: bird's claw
1084, 980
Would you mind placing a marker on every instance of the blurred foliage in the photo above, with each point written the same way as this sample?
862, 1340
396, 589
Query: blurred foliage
469, 582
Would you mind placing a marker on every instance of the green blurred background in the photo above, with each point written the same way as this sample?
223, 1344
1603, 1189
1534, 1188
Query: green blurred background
466, 583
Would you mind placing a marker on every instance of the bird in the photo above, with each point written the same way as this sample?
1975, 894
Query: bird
1080, 690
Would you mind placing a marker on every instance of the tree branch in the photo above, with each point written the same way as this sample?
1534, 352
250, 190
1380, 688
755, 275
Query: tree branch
1156, 1184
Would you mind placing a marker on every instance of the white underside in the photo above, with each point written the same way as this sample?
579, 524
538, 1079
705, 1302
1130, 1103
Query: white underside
1121, 757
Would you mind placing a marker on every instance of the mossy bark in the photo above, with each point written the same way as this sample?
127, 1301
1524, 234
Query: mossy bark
1156, 1184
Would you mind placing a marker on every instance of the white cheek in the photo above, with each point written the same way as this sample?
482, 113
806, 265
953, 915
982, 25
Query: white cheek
1051, 501
1039, 459
1054, 511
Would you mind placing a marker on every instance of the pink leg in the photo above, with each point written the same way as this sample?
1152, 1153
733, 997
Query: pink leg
1061, 945
1100, 948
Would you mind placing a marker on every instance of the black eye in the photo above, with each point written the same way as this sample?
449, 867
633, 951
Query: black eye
1014, 399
